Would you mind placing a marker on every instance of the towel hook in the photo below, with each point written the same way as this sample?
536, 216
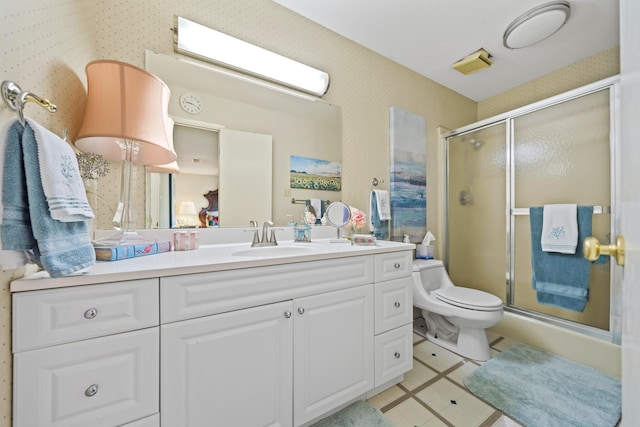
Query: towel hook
15, 98
376, 181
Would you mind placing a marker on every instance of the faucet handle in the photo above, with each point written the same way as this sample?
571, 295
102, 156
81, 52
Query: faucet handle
256, 237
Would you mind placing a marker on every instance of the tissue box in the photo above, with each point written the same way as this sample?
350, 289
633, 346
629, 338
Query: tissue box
185, 240
424, 251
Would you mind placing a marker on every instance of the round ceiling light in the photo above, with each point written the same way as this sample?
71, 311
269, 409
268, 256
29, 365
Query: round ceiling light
536, 25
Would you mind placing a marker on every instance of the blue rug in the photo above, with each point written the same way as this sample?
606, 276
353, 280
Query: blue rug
540, 389
359, 414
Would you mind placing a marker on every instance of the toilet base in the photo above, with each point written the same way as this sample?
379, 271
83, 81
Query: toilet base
471, 343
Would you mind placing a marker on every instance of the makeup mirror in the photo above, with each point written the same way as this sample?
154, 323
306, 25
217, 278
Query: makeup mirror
338, 215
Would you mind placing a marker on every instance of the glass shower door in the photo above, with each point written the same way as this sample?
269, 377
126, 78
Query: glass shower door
561, 154
476, 194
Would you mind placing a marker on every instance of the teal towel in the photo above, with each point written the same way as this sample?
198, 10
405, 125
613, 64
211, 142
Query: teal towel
379, 227
61, 248
560, 279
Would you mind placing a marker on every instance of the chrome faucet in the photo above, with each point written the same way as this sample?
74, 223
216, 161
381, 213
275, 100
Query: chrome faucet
266, 239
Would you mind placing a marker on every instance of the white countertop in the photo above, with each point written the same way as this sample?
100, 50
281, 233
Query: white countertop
207, 258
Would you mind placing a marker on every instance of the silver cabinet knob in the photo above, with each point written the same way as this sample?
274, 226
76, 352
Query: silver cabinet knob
287, 314
92, 390
396, 265
301, 310
396, 304
91, 313
397, 355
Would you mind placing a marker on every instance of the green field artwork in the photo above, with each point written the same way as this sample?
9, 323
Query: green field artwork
314, 174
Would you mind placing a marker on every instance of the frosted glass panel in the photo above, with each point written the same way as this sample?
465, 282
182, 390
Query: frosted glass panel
477, 205
561, 155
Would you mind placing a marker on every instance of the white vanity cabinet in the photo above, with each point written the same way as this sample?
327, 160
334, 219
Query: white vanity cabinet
269, 343
394, 316
86, 355
280, 364
293, 359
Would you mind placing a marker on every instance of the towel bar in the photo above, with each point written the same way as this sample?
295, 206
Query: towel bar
597, 210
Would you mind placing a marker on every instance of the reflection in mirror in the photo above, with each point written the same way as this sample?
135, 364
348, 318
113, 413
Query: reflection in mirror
338, 215
296, 126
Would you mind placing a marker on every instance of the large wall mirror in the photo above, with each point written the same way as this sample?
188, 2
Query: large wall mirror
234, 137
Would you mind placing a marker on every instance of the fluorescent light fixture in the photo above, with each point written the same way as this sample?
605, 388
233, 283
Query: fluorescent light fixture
196, 40
536, 24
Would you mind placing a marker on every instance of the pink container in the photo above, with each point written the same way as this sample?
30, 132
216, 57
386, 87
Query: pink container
185, 240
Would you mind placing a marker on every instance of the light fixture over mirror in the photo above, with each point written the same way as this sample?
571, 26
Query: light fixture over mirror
193, 39
536, 24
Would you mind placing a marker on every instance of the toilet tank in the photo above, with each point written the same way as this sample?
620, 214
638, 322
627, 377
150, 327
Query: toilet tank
431, 274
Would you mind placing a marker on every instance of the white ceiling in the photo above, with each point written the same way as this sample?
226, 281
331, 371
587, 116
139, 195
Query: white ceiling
427, 36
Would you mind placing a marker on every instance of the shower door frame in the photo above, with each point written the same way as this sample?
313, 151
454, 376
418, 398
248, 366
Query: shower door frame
611, 84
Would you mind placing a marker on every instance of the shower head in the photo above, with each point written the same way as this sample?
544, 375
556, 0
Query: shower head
476, 143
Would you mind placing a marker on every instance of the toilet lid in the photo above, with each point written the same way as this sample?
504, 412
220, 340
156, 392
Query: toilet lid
469, 298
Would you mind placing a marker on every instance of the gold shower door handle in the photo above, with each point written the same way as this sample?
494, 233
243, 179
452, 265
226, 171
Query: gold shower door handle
593, 249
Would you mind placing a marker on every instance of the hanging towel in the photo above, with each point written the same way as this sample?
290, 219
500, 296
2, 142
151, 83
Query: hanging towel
382, 200
61, 181
316, 204
61, 248
560, 229
378, 227
11, 258
561, 280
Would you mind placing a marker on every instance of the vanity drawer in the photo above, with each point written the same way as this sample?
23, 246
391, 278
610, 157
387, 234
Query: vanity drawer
195, 295
393, 265
152, 421
106, 381
43, 318
393, 304
393, 354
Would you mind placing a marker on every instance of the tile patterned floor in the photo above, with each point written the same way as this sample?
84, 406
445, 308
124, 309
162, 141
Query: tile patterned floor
432, 393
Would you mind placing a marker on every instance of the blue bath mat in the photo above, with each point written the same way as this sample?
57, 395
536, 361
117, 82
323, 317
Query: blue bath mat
359, 414
540, 389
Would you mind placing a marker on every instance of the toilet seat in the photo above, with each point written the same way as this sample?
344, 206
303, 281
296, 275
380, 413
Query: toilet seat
468, 298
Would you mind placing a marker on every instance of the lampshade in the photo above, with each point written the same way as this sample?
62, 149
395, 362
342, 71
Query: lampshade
125, 103
187, 208
536, 24
168, 167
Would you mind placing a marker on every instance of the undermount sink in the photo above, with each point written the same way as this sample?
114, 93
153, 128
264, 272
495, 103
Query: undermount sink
274, 251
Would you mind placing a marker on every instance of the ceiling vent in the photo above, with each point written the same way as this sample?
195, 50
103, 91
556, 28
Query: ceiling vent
476, 61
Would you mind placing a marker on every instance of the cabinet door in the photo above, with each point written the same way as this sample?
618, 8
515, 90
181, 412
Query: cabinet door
231, 369
105, 382
333, 352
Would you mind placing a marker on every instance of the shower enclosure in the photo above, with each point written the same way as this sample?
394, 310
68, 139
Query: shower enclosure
560, 150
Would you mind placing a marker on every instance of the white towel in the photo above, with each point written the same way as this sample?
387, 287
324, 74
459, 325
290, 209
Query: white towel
10, 259
384, 210
60, 176
317, 206
560, 228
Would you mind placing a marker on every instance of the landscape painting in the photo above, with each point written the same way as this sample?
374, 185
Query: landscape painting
408, 186
314, 174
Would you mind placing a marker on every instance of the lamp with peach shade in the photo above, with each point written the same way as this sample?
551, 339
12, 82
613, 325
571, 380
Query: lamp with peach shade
126, 120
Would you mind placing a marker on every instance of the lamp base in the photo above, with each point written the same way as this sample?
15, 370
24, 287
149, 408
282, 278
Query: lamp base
123, 238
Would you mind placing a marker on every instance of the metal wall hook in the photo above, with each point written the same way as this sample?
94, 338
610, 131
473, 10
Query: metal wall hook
15, 98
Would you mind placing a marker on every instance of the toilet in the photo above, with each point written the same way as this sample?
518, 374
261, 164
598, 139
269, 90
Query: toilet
456, 317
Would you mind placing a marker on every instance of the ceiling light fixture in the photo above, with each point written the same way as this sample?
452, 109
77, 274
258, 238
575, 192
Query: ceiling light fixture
536, 25
210, 45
